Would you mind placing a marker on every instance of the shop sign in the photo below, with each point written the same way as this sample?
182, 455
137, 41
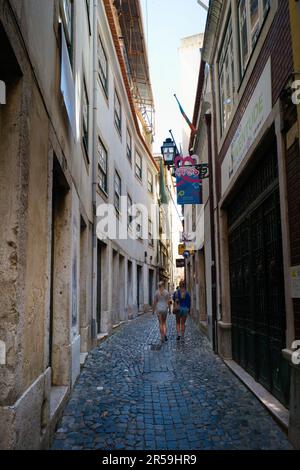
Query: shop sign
189, 187
253, 119
180, 263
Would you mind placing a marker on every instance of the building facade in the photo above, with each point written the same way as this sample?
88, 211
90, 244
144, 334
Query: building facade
46, 212
76, 125
254, 188
127, 174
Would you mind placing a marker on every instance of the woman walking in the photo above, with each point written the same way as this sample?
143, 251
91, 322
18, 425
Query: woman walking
182, 305
160, 307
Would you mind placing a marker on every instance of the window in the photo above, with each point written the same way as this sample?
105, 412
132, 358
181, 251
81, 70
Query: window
128, 146
102, 166
68, 20
150, 182
85, 118
139, 224
129, 207
118, 121
88, 6
226, 76
252, 14
103, 66
117, 191
138, 165
150, 232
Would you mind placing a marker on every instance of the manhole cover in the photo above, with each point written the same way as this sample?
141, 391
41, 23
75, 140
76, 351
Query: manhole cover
159, 377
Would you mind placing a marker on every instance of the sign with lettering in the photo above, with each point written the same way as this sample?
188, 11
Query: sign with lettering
189, 187
253, 119
180, 263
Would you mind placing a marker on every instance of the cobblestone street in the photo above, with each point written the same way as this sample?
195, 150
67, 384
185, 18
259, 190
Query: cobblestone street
132, 394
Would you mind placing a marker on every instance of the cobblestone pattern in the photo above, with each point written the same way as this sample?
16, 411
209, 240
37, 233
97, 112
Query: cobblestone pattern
134, 394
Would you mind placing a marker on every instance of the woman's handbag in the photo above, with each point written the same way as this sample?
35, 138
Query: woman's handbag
176, 306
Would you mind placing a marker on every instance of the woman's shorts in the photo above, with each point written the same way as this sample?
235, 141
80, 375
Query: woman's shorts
183, 312
162, 315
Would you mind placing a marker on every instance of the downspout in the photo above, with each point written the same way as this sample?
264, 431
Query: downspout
212, 225
94, 177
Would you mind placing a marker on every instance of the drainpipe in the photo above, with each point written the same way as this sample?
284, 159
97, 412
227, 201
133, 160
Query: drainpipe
212, 225
94, 177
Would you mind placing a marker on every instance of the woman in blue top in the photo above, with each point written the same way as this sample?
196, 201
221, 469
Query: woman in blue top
182, 302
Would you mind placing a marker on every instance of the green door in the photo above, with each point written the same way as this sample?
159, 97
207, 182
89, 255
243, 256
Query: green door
256, 278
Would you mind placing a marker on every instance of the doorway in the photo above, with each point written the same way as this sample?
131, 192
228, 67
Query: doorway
151, 282
256, 278
60, 260
139, 287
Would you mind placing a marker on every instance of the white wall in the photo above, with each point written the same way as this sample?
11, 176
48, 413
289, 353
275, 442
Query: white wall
189, 63
117, 159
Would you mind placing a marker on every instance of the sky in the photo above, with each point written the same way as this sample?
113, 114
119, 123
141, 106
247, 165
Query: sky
165, 23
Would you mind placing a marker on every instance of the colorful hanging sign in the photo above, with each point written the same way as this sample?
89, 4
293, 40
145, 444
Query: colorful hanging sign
188, 182
189, 192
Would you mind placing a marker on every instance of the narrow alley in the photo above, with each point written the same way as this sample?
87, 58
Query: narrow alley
149, 163
134, 393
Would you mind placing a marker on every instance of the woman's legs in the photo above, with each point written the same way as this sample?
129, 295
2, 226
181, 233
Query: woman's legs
178, 325
182, 324
162, 326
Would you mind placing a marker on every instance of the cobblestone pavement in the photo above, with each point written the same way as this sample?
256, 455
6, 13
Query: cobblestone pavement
133, 395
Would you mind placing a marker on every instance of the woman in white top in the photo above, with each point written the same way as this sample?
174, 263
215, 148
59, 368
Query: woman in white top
161, 303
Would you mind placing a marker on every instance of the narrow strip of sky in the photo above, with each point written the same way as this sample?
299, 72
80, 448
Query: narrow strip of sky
165, 23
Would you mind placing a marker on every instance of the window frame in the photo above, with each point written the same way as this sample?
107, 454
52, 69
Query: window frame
129, 216
251, 44
139, 174
150, 183
68, 16
150, 232
139, 215
103, 74
100, 166
226, 56
117, 196
128, 147
85, 132
118, 118
88, 11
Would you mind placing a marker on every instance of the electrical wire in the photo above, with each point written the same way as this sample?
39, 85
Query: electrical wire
175, 205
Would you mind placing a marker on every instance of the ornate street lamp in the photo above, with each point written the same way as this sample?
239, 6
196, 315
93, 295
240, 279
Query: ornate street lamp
168, 151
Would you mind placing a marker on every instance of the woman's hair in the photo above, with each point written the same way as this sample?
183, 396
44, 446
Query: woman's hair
161, 284
182, 284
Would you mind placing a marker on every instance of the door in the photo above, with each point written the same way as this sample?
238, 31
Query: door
151, 276
256, 278
138, 288
99, 286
